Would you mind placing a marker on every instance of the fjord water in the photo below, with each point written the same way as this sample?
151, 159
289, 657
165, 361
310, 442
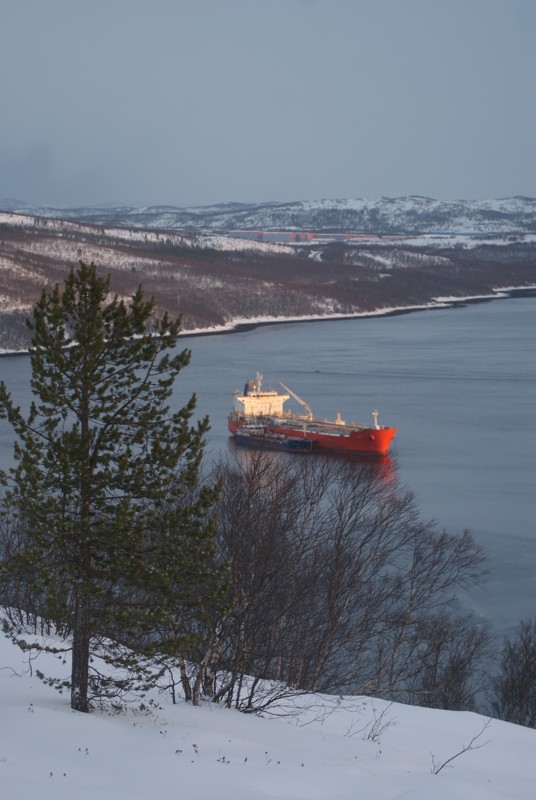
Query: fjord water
460, 386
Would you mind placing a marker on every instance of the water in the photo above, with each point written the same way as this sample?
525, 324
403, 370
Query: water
460, 386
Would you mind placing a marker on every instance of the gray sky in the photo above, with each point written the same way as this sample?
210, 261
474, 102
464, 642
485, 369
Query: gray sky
205, 101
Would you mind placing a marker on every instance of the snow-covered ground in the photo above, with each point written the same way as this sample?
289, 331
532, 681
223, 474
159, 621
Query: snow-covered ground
321, 748
225, 242
460, 240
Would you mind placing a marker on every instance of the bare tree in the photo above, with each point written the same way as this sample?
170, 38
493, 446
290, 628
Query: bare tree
514, 688
453, 658
336, 585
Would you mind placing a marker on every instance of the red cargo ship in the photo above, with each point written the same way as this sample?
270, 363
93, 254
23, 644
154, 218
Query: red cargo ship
265, 410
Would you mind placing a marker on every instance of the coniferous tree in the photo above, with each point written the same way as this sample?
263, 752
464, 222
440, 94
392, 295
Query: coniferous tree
115, 536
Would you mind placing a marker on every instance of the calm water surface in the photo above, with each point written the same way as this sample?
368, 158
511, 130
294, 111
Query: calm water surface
460, 386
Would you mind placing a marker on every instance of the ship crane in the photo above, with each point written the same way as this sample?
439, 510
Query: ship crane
306, 406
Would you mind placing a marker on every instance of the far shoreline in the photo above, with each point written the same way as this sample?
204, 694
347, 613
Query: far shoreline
441, 303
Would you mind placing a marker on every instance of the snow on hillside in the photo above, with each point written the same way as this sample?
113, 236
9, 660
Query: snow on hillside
17, 220
319, 748
134, 235
383, 215
248, 245
421, 214
460, 240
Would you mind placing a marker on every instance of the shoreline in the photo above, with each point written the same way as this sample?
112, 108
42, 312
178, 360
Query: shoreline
244, 325
241, 326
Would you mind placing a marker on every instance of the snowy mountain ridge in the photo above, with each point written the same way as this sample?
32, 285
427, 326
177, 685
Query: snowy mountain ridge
384, 215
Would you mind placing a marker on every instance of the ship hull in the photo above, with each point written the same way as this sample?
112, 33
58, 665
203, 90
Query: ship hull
273, 441
324, 436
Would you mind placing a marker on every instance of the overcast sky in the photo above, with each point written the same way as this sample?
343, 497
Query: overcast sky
205, 101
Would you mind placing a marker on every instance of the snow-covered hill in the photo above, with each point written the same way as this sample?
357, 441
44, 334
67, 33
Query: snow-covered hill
384, 215
320, 748
215, 279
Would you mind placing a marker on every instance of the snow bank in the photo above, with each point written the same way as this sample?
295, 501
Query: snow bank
324, 747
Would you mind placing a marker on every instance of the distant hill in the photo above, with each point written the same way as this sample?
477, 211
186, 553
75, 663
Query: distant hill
216, 280
384, 216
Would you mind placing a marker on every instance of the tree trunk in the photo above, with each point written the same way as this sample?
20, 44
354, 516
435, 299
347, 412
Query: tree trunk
82, 617
186, 686
80, 657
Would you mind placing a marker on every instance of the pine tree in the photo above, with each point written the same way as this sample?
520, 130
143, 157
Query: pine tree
118, 535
